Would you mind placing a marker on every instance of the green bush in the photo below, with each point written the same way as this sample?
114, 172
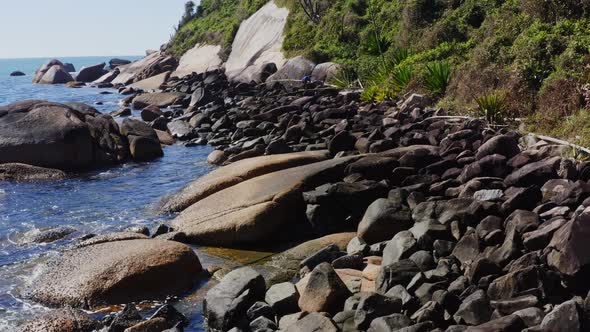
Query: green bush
491, 106
437, 77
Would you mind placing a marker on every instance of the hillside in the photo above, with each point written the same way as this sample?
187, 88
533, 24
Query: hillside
505, 59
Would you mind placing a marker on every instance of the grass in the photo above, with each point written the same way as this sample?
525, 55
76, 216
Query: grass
574, 128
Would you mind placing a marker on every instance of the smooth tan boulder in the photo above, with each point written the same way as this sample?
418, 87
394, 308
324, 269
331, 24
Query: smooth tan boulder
116, 272
254, 210
152, 83
160, 99
235, 173
199, 59
129, 72
23, 172
62, 320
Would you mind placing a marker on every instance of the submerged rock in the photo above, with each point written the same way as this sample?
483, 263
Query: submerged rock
25, 173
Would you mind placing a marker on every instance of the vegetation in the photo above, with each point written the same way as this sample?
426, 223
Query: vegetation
536, 51
491, 106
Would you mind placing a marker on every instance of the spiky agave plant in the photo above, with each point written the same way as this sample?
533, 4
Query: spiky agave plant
437, 77
401, 76
492, 106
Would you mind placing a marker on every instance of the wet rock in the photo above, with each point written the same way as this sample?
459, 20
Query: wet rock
148, 269
17, 73
324, 291
226, 304
171, 316
48, 235
61, 320
27, 173
382, 220
217, 157
127, 318
150, 325
262, 324
150, 113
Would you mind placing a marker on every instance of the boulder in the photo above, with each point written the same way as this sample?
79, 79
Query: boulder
25, 173
292, 73
383, 219
474, 310
17, 73
55, 75
283, 298
313, 322
324, 291
235, 173
152, 83
564, 317
569, 253
69, 67
144, 144
116, 272
199, 59
504, 145
152, 64
159, 99
258, 41
256, 209
535, 173
91, 73
116, 62
326, 72
510, 323
226, 304
44, 134
61, 320
45, 67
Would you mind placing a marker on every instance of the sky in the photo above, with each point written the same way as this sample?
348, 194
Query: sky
53, 28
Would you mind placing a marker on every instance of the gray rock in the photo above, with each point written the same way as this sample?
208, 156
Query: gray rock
564, 317
389, 323
402, 246
324, 291
313, 322
474, 310
225, 305
283, 298
383, 219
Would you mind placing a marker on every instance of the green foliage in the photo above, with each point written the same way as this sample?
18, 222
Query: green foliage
437, 77
492, 106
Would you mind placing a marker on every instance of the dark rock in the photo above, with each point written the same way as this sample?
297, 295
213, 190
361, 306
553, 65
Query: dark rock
564, 317
536, 173
373, 305
125, 319
263, 324
569, 253
91, 73
388, 323
504, 145
150, 113
283, 298
313, 322
27, 173
343, 141
395, 274
510, 323
226, 304
382, 220
474, 310
17, 73
324, 291
172, 316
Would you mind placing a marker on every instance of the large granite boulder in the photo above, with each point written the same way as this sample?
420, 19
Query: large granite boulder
144, 144
160, 99
55, 75
91, 73
116, 62
52, 72
153, 64
152, 83
235, 173
62, 320
326, 71
116, 272
292, 73
254, 210
258, 41
44, 134
199, 59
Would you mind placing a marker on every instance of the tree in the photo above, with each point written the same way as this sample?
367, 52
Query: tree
189, 13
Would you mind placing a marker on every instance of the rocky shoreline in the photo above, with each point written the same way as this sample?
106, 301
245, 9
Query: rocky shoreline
406, 219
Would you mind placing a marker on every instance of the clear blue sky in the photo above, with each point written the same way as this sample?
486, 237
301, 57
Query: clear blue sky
48, 28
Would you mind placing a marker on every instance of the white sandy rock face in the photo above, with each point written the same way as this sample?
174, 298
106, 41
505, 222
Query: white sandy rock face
152, 83
199, 59
258, 41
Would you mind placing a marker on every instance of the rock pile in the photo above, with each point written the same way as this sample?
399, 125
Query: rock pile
459, 226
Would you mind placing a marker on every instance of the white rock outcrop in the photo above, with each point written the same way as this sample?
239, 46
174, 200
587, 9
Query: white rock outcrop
199, 59
128, 72
258, 41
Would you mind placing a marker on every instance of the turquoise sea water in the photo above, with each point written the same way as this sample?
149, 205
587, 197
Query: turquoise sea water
97, 202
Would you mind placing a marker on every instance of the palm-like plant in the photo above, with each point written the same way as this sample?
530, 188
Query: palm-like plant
437, 77
492, 106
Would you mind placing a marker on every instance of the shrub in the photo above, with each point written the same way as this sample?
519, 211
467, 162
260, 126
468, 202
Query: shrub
401, 77
437, 77
492, 106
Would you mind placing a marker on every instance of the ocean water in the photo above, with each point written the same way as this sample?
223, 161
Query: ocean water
100, 201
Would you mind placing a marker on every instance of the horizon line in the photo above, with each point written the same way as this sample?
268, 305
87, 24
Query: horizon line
68, 56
